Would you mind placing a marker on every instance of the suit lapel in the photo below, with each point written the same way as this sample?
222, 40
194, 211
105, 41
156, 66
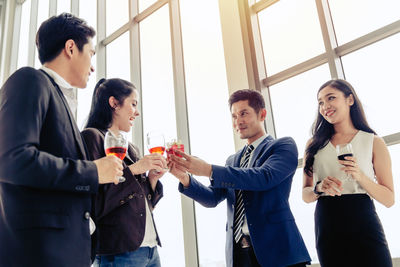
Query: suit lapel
77, 135
258, 151
237, 157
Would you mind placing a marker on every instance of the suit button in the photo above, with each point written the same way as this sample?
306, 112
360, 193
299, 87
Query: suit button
121, 201
149, 196
141, 214
87, 215
130, 196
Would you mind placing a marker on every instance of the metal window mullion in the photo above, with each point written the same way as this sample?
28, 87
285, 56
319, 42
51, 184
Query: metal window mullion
329, 37
150, 10
101, 34
15, 38
32, 32
181, 112
75, 7
368, 39
135, 71
261, 69
52, 8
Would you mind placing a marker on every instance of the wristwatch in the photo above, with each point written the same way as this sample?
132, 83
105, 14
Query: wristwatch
315, 189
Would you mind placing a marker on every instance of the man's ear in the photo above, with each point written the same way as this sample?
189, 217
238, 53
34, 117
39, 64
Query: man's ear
263, 113
69, 47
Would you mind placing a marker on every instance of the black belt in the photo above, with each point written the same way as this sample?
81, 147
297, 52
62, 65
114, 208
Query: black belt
244, 241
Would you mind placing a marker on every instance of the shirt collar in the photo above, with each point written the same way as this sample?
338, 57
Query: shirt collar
60, 81
258, 141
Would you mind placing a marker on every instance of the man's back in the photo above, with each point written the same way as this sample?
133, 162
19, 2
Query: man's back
44, 188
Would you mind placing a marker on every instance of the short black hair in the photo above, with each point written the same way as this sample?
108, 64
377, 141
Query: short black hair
255, 99
101, 113
55, 31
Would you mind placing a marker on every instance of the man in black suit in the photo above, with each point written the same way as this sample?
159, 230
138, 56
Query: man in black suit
45, 182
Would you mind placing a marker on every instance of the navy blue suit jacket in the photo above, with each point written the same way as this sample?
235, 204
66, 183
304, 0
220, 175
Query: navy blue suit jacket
266, 186
45, 182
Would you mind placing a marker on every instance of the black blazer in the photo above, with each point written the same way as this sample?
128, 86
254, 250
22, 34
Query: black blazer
45, 183
120, 211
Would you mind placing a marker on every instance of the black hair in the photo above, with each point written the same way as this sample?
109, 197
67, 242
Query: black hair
322, 131
255, 99
57, 30
101, 113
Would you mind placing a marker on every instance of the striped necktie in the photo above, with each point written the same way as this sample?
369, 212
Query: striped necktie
239, 206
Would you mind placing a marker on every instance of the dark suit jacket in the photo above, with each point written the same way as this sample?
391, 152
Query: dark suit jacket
120, 211
266, 186
45, 183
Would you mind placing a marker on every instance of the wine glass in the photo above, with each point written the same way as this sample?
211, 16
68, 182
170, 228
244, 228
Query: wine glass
155, 143
342, 151
116, 144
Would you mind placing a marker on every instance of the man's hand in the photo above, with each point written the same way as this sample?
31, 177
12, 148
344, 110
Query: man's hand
191, 164
179, 173
108, 169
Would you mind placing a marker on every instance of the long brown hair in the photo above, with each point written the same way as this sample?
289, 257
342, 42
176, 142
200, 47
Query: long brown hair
322, 131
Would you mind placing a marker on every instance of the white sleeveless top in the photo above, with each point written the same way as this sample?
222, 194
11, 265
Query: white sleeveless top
326, 163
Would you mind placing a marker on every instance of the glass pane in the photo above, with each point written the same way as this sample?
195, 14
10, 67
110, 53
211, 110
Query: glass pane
143, 4
303, 214
355, 18
207, 96
290, 34
86, 12
24, 35
63, 6
85, 98
43, 14
159, 113
118, 58
295, 105
117, 14
390, 217
373, 71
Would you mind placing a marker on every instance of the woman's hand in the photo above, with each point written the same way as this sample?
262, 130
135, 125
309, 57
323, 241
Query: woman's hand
351, 167
149, 162
330, 186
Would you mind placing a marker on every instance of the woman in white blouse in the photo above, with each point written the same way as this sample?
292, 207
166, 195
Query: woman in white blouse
347, 229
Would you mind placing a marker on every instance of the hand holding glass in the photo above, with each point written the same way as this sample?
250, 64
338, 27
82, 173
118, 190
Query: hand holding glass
116, 144
155, 143
342, 151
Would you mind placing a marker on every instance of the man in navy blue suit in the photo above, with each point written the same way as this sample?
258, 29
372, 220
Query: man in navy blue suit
256, 182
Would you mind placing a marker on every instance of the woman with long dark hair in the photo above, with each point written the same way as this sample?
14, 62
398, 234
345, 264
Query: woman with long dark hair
126, 234
347, 229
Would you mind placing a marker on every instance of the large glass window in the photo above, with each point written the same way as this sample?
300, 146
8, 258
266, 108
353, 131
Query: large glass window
63, 6
290, 34
143, 4
118, 58
207, 96
24, 35
355, 18
86, 8
117, 14
159, 114
373, 71
390, 217
295, 106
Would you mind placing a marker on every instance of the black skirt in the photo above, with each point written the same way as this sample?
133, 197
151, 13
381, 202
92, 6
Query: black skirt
349, 233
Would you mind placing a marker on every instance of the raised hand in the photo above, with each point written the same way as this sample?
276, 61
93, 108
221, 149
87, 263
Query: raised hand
191, 164
149, 162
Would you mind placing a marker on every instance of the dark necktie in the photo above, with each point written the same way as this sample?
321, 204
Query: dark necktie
239, 206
